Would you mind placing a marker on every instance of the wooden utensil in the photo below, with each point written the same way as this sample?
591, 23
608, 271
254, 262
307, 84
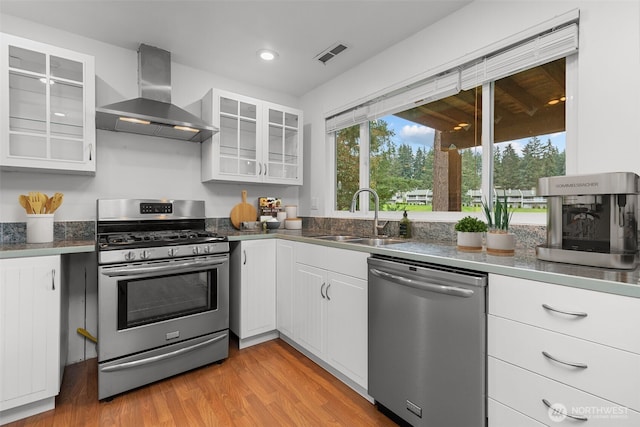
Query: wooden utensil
55, 201
34, 201
24, 202
243, 212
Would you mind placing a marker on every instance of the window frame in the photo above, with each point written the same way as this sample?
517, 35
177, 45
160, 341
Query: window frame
366, 211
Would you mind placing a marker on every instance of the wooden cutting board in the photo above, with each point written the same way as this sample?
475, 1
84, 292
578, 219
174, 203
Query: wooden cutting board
243, 212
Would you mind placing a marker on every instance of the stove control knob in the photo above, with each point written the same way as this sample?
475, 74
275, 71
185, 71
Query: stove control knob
130, 256
145, 255
173, 252
206, 249
196, 250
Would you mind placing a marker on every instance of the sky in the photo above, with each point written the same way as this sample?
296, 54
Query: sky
418, 136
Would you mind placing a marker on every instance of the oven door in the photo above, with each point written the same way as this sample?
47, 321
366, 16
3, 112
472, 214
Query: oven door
147, 305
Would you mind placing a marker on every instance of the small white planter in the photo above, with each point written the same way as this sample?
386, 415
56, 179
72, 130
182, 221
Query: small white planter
469, 241
501, 243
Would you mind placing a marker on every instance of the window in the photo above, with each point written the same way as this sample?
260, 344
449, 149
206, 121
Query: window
429, 154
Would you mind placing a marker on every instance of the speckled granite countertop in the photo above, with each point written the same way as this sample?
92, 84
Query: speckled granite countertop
523, 265
21, 250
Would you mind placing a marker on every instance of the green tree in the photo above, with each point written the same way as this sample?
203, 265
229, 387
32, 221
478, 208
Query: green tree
532, 164
382, 155
509, 169
347, 165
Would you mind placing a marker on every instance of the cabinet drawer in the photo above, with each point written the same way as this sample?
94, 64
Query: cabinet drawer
604, 318
350, 263
343, 261
524, 391
310, 254
610, 373
500, 415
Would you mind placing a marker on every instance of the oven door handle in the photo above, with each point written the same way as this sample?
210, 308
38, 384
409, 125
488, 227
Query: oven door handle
163, 268
160, 357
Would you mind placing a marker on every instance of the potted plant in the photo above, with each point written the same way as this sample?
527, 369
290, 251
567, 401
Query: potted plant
470, 231
499, 240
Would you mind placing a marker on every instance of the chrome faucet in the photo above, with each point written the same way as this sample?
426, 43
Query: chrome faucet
377, 207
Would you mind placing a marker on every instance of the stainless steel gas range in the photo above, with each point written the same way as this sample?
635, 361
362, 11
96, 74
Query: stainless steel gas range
163, 292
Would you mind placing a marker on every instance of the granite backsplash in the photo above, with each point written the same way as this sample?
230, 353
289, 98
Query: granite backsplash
527, 236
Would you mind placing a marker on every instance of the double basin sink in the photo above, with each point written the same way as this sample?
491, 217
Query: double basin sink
376, 241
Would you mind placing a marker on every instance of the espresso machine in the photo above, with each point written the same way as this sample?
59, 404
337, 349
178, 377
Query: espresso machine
591, 219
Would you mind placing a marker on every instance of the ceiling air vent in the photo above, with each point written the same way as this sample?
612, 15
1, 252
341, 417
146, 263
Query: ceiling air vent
331, 52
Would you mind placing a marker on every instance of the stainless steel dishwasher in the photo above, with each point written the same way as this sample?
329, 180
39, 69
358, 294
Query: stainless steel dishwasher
427, 342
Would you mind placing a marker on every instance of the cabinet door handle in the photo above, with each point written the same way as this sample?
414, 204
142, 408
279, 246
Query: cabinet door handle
321, 289
568, 313
573, 364
90, 151
53, 279
245, 257
327, 291
557, 411
260, 170
265, 169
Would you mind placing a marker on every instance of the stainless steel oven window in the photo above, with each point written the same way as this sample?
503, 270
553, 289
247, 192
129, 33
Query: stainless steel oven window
153, 299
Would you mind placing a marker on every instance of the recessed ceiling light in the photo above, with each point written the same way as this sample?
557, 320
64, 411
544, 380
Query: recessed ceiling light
267, 55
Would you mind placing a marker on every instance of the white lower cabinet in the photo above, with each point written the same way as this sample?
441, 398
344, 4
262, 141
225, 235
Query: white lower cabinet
550, 345
330, 308
30, 361
285, 277
252, 293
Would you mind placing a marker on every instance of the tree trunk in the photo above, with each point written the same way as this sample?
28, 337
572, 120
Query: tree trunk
440, 175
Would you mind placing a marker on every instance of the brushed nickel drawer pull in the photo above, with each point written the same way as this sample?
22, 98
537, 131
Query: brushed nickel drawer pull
568, 313
321, 289
556, 411
575, 365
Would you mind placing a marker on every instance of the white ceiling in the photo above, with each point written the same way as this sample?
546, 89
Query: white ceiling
222, 37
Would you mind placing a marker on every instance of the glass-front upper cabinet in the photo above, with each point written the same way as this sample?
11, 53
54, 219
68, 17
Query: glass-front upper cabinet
257, 141
47, 119
284, 144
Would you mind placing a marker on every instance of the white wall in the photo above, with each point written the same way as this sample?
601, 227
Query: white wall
133, 166
608, 105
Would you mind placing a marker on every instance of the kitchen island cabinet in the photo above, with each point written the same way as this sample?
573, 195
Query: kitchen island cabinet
47, 118
258, 141
575, 348
31, 362
252, 291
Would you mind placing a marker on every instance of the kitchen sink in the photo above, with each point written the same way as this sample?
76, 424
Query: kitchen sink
338, 238
381, 241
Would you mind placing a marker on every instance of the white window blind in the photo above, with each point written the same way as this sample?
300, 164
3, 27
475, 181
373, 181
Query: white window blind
549, 46
537, 51
423, 92
347, 119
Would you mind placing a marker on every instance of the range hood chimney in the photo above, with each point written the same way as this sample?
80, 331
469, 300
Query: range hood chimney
153, 113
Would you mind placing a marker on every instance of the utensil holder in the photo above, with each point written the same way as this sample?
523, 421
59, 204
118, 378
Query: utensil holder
39, 228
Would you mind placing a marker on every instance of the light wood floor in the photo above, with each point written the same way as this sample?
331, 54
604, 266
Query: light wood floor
270, 384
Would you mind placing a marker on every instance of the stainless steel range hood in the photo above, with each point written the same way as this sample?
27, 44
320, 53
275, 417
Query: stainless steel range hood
152, 113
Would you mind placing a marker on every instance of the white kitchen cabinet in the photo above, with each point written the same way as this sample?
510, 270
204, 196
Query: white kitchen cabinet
258, 141
252, 293
285, 279
347, 326
572, 347
30, 360
310, 310
330, 308
47, 116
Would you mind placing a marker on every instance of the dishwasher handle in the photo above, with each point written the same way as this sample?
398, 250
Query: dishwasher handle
423, 286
